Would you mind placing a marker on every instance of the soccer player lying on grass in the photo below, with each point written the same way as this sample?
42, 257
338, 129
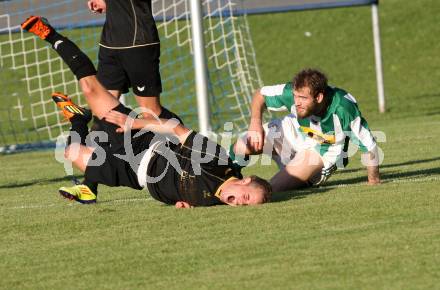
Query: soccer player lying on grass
311, 142
177, 165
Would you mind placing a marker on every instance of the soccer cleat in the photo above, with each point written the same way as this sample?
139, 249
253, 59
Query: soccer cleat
38, 26
69, 108
80, 193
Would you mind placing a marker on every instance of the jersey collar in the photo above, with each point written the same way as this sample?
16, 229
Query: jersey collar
219, 190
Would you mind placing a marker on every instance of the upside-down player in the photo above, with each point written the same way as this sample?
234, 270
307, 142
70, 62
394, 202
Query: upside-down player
185, 169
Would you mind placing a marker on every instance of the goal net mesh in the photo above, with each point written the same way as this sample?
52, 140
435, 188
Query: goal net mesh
30, 71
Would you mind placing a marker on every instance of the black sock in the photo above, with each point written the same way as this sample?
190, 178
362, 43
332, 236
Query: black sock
92, 185
79, 126
78, 62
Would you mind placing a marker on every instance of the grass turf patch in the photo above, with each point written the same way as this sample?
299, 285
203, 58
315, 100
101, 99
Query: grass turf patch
345, 235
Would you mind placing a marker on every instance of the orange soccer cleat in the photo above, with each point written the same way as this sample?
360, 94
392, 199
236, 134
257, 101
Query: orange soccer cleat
69, 108
38, 26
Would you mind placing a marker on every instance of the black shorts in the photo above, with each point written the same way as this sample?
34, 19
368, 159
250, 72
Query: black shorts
116, 171
136, 67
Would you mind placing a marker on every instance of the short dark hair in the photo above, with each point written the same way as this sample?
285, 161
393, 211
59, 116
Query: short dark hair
314, 79
264, 185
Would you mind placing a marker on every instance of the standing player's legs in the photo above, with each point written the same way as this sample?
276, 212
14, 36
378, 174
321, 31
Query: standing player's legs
110, 72
136, 67
141, 65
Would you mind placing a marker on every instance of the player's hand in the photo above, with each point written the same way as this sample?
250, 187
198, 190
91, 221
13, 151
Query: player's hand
255, 137
182, 204
124, 122
97, 6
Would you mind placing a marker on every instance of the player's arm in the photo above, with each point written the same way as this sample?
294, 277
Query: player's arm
367, 144
371, 161
160, 126
254, 140
255, 136
276, 97
370, 155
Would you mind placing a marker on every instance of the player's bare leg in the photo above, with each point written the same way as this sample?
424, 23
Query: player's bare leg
76, 151
298, 172
86, 192
115, 93
79, 155
100, 100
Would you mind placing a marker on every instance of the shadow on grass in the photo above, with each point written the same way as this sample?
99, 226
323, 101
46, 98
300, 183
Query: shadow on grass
432, 113
297, 194
411, 162
388, 177
35, 182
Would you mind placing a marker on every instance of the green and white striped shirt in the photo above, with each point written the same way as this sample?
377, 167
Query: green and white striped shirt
342, 121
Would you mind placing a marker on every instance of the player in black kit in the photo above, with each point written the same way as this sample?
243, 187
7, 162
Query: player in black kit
177, 165
129, 51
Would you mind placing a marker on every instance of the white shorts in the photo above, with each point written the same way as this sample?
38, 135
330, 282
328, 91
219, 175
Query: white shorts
283, 136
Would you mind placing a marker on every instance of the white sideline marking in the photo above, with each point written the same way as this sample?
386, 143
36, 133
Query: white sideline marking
31, 206
69, 203
127, 200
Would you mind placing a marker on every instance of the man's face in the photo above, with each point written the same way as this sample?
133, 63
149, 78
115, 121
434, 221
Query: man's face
242, 192
305, 103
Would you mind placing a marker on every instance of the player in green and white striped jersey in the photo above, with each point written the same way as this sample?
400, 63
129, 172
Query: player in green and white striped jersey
311, 142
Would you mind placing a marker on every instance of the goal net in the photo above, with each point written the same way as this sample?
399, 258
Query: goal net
30, 71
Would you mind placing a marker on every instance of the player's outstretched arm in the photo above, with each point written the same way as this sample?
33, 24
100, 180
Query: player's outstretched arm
156, 125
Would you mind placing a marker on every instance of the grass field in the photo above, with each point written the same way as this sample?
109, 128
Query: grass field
345, 235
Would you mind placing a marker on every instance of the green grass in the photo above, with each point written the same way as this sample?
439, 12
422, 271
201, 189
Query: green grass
345, 235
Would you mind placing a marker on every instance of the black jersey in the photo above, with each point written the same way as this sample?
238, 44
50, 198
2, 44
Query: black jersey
190, 172
129, 23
